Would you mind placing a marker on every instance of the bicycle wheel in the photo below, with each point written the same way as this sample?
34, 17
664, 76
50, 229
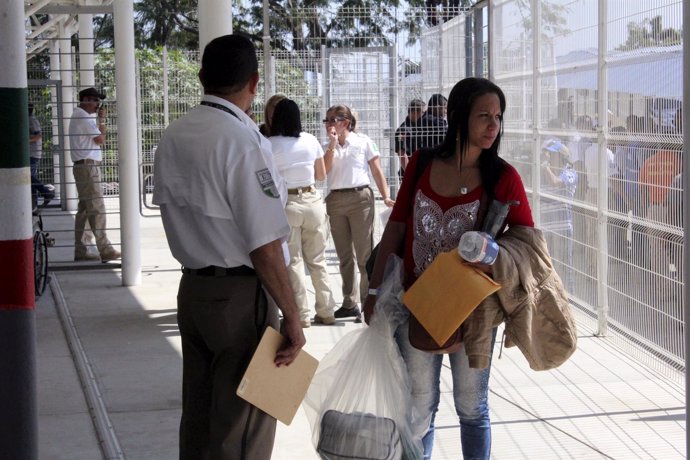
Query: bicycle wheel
40, 262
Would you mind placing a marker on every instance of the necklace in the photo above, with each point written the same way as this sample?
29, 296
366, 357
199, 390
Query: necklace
463, 189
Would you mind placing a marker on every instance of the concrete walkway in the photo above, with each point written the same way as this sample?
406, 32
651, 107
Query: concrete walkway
600, 404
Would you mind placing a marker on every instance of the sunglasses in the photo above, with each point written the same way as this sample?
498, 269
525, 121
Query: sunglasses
332, 120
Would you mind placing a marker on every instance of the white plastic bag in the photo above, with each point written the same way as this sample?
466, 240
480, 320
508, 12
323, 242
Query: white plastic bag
384, 215
359, 403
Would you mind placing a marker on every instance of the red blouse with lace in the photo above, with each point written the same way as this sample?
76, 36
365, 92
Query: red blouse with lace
435, 223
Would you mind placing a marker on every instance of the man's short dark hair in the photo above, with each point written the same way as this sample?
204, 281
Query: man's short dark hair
228, 63
90, 92
415, 104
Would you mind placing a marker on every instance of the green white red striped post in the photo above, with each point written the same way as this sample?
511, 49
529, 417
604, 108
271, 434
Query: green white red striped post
18, 414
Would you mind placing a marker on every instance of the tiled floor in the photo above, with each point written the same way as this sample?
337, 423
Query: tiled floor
599, 404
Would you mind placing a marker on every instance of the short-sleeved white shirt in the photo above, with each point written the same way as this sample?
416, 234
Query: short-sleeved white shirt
591, 162
215, 184
82, 130
351, 162
294, 158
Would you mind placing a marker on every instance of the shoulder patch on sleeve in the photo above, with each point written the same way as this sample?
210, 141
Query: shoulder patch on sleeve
268, 186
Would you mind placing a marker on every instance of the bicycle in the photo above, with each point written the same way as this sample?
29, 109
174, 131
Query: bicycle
42, 240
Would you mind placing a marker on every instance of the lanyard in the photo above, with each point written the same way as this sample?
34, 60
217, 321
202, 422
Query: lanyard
220, 107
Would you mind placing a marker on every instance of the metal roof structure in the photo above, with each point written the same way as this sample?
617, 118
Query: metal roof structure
61, 14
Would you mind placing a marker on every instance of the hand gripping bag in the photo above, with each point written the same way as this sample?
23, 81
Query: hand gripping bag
359, 403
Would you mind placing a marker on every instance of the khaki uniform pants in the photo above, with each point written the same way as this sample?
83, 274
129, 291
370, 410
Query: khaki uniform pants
90, 209
351, 215
306, 214
221, 320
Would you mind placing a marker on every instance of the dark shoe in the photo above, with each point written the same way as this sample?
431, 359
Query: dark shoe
47, 198
343, 312
49, 195
326, 321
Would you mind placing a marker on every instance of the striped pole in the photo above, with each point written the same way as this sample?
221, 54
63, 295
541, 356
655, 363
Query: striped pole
18, 415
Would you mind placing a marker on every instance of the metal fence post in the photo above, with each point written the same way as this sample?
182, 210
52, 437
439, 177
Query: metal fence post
602, 185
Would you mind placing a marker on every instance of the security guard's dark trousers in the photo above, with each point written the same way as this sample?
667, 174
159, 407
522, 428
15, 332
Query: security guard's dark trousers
221, 320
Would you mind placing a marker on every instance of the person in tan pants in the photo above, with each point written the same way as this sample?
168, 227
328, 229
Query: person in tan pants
87, 134
348, 158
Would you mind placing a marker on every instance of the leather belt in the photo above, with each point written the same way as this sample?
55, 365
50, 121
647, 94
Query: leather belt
298, 190
213, 270
86, 161
351, 189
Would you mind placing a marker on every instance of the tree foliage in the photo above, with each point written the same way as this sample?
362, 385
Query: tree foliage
650, 32
295, 25
171, 23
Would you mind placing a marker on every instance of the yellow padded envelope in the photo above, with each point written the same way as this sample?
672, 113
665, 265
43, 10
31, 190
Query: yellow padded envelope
446, 293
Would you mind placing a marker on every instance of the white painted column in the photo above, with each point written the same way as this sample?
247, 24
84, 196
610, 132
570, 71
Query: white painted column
18, 400
56, 138
125, 80
215, 20
70, 192
87, 75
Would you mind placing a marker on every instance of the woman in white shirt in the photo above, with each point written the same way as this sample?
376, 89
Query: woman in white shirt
349, 159
299, 159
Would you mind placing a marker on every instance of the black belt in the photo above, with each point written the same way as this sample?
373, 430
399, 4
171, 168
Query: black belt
87, 161
351, 189
213, 270
298, 190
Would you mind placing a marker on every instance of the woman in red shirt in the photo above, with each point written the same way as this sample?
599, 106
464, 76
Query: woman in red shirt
430, 215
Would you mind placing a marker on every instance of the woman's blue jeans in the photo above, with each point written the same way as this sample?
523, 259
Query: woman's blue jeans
470, 394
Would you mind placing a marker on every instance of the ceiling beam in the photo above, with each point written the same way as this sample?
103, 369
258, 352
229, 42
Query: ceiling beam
31, 9
77, 9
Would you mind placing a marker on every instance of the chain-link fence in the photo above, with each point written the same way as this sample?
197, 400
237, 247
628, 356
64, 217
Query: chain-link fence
55, 77
592, 125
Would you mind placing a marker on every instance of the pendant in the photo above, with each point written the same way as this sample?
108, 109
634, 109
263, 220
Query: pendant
463, 190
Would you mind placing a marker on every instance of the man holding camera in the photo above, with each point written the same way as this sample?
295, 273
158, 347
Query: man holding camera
87, 134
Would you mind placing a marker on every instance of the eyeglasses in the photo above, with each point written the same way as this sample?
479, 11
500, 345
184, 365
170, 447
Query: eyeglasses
333, 120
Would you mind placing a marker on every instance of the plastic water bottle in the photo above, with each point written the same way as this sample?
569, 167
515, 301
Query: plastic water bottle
478, 247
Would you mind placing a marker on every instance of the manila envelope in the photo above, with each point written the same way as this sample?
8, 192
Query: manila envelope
278, 391
446, 293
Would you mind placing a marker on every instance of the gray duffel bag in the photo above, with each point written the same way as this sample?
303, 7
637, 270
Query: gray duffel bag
358, 436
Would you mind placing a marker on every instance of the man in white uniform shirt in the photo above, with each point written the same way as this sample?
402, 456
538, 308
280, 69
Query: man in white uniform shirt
225, 223
86, 135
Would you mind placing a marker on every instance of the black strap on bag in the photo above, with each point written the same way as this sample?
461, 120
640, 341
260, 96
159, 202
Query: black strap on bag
422, 162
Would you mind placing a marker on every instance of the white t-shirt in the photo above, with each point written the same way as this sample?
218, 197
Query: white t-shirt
82, 130
294, 158
351, 162
592, 165
215, 184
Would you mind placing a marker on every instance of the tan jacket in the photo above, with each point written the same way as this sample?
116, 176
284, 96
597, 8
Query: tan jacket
532, 301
